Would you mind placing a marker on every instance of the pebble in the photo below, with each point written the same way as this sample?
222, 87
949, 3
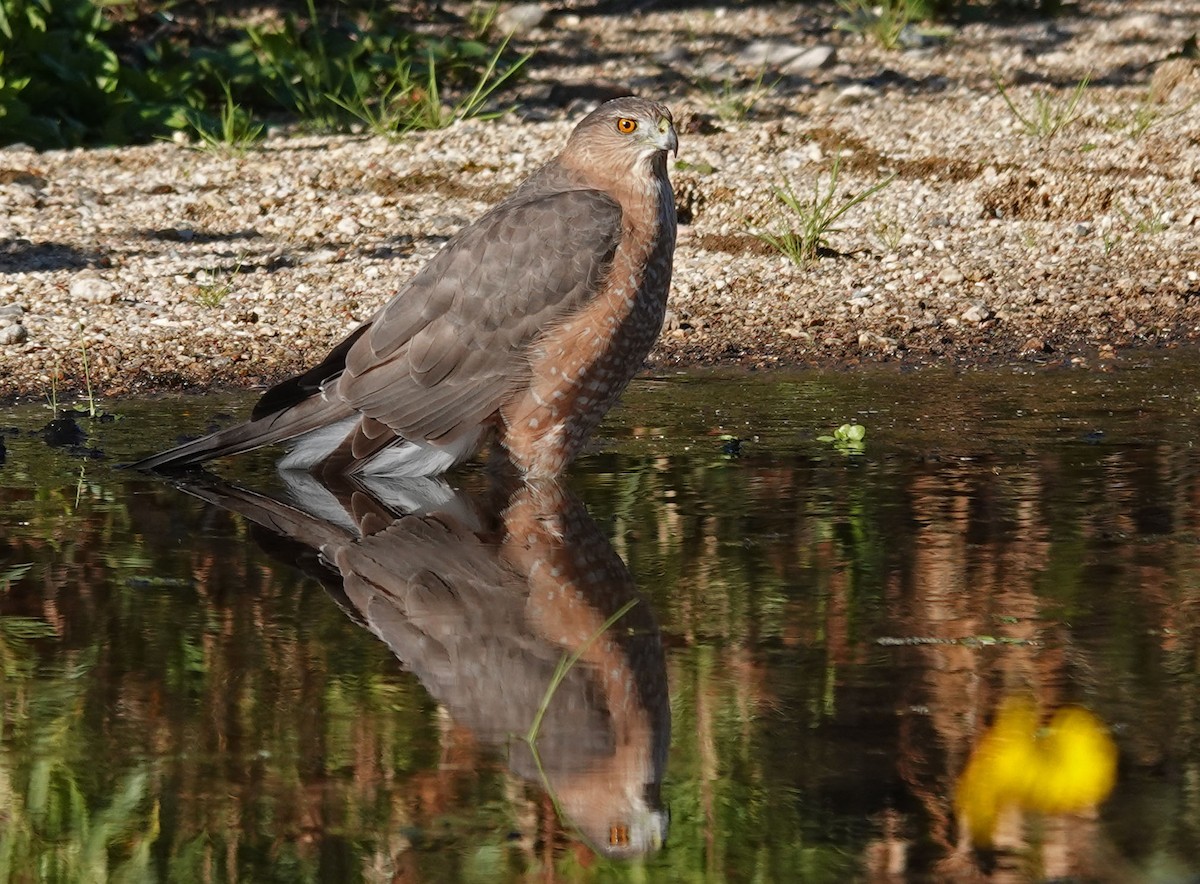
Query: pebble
792, 58
321, 256
671, 55
13, 334
913, 37
760, 53
92, 289
811, 59
976, 314
520, 19
855, 93
17, 195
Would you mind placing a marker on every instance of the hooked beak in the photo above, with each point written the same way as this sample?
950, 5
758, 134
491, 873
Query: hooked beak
667, 139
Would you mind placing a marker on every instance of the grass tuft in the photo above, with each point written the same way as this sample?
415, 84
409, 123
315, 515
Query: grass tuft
731, 99
889, 230
884, 22
132, 78
1049, 114
388, 86
233, 131
93, 410
1147, 115
814, 219
213, 286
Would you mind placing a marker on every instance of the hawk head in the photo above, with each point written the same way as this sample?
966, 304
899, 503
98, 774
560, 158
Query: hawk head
626, 132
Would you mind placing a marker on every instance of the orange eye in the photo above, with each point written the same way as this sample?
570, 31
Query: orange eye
626, 126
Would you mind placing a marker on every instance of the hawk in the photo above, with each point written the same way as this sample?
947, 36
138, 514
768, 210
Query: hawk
523, 330
482, 598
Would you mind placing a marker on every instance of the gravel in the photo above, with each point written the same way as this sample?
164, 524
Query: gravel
177, 267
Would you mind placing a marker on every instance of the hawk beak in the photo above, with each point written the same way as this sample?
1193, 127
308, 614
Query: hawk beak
667, 139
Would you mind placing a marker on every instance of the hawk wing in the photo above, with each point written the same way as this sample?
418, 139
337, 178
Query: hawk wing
450, 347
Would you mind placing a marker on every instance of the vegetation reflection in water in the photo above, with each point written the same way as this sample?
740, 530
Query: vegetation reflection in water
839, 631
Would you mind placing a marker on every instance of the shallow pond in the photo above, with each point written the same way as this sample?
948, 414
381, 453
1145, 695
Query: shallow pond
804, 642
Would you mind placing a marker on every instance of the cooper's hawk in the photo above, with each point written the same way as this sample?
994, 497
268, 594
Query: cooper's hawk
525, 327
482, 600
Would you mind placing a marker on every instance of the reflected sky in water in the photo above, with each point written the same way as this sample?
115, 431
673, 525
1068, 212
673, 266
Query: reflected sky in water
241, 680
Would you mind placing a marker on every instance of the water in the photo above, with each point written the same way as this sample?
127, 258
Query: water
817, 640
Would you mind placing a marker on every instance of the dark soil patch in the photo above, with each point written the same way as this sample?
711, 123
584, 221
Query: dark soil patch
1031, 198
435, 182
734, 244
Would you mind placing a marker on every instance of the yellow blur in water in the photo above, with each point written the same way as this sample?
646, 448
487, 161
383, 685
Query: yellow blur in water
1068, 766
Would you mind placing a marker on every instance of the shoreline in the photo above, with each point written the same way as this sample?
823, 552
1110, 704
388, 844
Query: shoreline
174, 268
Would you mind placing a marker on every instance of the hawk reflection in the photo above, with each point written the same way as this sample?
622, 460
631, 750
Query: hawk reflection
481, 601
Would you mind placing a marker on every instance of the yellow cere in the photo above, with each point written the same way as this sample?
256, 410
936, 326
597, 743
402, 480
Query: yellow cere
1069, 766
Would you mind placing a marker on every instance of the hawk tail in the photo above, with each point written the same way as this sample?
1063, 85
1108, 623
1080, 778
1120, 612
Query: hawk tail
282, 426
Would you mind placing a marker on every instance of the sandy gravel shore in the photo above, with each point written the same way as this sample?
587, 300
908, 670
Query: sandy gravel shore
167, 266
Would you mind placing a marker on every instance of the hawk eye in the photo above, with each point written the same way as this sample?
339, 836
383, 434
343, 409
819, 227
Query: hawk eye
626, 126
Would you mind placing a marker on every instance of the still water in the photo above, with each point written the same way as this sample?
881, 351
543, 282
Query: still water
725, 650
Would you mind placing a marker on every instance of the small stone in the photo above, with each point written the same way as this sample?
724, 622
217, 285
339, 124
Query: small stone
811, 59
1035, 345
1137, 24
520, 19
1168, 76
913, 37
348, 227
791, 58
951, 275
764, 53
11, 311
855, 93
321, 256
672, 55
13, 334
16, 195
976, 314
714, 68
92, 289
